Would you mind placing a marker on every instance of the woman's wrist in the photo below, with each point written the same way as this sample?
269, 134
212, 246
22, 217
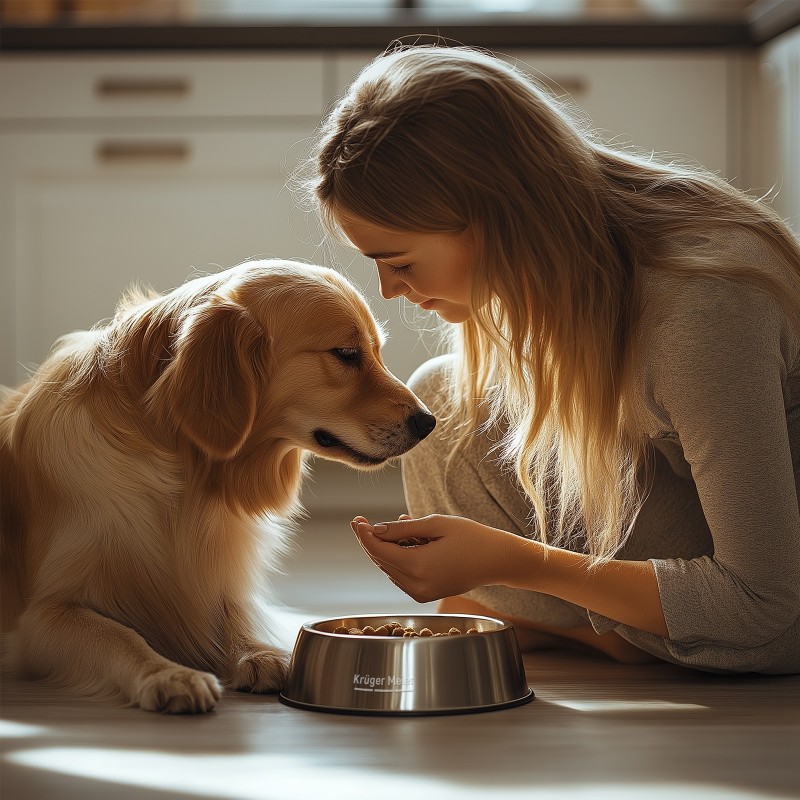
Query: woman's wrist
524, 562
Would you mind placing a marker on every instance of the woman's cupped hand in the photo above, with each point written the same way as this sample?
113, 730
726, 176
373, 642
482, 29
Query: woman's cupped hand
439, 556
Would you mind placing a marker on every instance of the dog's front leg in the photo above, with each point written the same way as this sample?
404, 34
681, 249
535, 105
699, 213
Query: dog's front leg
253, 666
100, 656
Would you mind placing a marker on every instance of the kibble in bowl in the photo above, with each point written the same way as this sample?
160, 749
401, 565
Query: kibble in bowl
394, 628
396, 664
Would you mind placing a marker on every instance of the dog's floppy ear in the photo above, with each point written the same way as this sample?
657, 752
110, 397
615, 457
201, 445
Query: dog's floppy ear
210, 388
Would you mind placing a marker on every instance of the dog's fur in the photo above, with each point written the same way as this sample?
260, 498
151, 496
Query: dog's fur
139, 464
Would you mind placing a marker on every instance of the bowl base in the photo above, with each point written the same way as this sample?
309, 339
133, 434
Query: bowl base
366, 712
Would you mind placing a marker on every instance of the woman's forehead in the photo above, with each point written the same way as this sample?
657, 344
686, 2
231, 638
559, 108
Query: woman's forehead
373, 240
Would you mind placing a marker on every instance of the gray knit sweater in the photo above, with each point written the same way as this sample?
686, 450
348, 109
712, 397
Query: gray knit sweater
718, 366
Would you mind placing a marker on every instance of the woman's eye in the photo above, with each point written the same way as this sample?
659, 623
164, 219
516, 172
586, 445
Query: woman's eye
396, 269
347, 355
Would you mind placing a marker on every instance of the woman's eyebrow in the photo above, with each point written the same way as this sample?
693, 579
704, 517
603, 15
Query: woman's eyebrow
386, 255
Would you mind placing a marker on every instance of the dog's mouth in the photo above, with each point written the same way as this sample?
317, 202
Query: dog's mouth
330, 442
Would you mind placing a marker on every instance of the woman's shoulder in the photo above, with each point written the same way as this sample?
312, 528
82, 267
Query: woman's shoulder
700, 318
694, 330
725, 272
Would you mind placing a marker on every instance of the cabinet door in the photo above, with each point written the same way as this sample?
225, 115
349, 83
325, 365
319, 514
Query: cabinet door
82, 217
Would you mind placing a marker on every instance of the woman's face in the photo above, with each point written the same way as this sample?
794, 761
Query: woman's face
431, 270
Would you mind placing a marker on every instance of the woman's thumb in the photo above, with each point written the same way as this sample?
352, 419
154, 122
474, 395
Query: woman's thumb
405, 531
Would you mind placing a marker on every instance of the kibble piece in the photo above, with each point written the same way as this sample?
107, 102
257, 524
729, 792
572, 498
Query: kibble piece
410, 635
394, 624
341, 629
454, 632
397, 632
440, 634
381, 630
368, 630
412, 541
472, 630
355, 632
426, 632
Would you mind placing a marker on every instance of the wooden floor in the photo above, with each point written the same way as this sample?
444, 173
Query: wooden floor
595, 730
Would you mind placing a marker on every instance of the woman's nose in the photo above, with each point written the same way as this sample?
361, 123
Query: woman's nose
391, 285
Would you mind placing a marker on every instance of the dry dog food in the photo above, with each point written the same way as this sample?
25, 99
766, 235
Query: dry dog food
396, 629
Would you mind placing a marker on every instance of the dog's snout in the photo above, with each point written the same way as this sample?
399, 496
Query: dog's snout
421, 423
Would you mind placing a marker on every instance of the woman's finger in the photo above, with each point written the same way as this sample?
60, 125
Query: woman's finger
384, 555
402, 529
356, 520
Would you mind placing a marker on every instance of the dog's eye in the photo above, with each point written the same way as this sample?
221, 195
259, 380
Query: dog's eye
348, 355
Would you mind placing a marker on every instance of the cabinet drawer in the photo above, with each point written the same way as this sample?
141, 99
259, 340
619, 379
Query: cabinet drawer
130, 86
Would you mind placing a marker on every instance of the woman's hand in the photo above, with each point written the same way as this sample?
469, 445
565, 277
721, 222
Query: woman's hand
458, 554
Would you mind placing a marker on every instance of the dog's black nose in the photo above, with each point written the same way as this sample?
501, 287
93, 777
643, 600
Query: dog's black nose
421, 423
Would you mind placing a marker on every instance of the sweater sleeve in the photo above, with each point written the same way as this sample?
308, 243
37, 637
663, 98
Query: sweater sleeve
719, 376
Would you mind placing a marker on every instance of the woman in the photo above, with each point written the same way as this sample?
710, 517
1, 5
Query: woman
618, 451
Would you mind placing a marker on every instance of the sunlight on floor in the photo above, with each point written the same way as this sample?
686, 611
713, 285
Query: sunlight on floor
626, 705
18, 730
264, 777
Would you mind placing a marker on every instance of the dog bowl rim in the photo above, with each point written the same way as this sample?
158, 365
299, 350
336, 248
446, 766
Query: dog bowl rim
503, 625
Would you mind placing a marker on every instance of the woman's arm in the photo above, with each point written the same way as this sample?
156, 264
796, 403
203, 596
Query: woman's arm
462, 554
625, 591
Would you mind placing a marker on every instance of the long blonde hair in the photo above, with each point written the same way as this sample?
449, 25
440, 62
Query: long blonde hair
444, 139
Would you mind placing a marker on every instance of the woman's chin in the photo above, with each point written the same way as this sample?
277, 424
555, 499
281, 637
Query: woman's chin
452, 313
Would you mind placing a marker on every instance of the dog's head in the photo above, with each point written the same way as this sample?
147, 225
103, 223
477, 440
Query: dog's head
279, 350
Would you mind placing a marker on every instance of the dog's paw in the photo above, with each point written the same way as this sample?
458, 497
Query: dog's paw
179, 690
260, 671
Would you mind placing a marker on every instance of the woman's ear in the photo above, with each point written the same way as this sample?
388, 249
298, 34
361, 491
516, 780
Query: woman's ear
210, 389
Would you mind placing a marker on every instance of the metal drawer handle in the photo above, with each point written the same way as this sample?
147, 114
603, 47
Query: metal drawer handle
571, 86
115, 152
121, 88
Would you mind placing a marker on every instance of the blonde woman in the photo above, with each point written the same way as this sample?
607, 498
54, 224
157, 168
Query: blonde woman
617, 458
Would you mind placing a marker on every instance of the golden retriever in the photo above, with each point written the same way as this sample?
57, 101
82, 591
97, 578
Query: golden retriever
142, 462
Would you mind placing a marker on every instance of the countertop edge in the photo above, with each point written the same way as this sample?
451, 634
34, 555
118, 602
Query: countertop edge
763, 21
600, 34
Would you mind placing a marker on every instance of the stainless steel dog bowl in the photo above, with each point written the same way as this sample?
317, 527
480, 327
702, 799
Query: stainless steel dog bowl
452, 674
